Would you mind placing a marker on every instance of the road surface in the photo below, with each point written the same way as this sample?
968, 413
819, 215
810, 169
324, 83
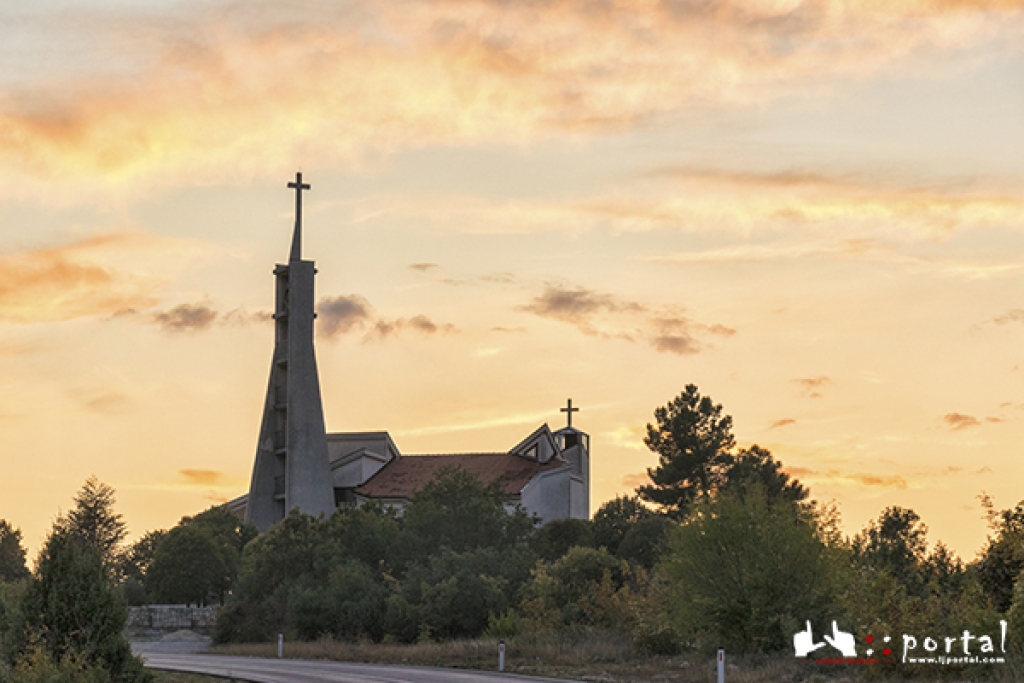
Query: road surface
258, 670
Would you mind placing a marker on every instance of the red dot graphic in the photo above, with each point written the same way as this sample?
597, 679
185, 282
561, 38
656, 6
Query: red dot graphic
886, 652
869, 639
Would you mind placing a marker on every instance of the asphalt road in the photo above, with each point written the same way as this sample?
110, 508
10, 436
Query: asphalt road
259, 670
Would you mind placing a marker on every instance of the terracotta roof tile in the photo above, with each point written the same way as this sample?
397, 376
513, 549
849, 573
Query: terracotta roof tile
404, 476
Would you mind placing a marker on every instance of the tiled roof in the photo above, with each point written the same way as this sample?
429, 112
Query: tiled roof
404, 476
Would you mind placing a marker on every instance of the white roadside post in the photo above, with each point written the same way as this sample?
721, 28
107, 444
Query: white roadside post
280, 645
501, 655
721, 665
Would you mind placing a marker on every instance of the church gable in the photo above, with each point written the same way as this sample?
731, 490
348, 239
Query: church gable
538, 446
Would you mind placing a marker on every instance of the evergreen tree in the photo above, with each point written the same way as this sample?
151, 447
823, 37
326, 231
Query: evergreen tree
94, 521
12, 554
692, 439
72, 607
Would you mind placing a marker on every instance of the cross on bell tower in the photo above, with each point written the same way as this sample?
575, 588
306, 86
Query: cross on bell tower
298, 186
569, 410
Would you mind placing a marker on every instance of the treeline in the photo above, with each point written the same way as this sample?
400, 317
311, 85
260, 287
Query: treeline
722, 548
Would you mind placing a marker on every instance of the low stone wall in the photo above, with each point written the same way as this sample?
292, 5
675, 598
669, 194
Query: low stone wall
170, 618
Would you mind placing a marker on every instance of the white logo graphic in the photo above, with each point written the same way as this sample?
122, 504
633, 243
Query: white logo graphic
803, 641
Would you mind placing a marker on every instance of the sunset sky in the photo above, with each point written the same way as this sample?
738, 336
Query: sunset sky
813, 210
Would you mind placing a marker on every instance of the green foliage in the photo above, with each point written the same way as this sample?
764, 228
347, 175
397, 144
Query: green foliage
756, 465
455, 594
585, 587
645, 541
745, 571
692, 439
349, 604
456, 511
896, 542
271, 563
197, 561
1003, 556
12, 553
189, 568
135, 561
94, 521
554, 539
74, 608
37, 665
614, 519
508, 624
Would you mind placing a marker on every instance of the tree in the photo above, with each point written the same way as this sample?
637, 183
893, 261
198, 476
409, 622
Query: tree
756, 464
188, 568
896, 542
197, 561
554, 539
72, 606
1003, 557
746, 573
692, 439
614, 519
94, 521
457, 511
12, 554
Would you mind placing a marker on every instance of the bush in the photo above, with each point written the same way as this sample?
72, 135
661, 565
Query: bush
745, 573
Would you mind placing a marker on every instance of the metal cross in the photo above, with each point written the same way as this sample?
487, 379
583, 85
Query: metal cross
569, 410
298, 186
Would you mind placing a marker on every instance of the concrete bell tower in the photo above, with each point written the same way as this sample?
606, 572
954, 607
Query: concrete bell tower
292, 467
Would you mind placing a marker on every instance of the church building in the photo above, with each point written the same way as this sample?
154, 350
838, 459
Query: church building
299, 465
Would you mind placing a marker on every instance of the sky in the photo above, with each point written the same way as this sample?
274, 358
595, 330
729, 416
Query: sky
811, 209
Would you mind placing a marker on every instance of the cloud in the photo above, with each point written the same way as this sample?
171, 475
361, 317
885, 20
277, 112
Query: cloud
102, 400
636, 480
1015, 315
204, 477
576, 305
197, 89
421, 324
606, 316
186, 318
784, 422
75, 280
859, 479
958, 421
423, 267
811, 385
342, 314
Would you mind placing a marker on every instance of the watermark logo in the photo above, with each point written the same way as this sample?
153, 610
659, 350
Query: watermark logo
966, 648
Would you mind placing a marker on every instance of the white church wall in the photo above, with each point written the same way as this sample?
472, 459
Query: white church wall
547, 495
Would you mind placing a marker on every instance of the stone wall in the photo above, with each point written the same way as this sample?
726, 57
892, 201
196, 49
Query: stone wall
170, 618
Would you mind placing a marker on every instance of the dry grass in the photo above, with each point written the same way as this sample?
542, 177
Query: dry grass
606, 657
177, 677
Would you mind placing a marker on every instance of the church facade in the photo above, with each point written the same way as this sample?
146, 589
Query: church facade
299, 465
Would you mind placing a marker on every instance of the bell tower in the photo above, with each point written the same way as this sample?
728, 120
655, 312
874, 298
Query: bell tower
574, 447
292, 467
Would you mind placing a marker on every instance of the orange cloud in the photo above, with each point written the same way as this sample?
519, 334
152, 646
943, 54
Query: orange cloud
958, 421
636, 480
204, 477
195, 94
72, 281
